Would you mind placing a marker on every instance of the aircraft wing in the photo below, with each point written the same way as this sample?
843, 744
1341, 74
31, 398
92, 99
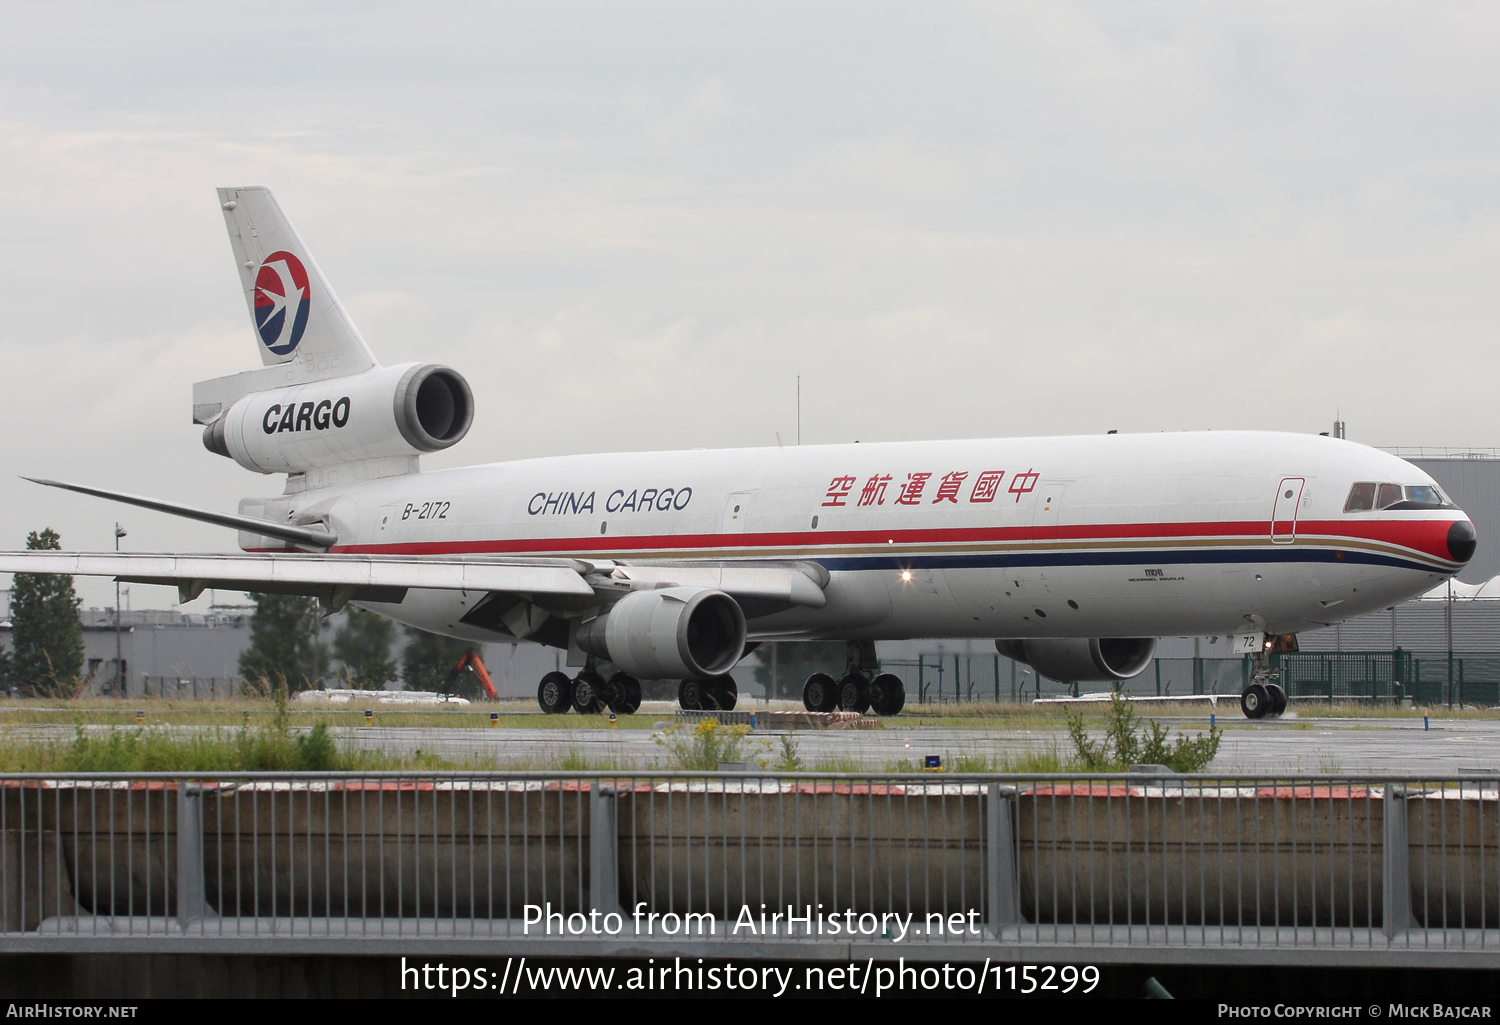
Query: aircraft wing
335, 579
798, 583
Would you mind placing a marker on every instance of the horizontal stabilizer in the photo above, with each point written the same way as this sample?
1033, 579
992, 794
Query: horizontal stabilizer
282, 531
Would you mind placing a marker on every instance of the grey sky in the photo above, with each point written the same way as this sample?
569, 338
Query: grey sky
631, 226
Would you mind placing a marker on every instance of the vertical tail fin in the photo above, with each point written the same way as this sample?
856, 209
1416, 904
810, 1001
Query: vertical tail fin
295, 313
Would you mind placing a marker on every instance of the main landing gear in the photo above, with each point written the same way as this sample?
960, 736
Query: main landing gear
1263, 697
860, 689
713, 694
588, 693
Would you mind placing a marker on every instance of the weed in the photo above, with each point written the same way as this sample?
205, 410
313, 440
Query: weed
790, 760
316, 751
1129, 741
840, 763
576, 760
969, 762
707, 744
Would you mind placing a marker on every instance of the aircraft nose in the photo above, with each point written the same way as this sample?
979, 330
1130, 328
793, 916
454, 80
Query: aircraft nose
1462, 541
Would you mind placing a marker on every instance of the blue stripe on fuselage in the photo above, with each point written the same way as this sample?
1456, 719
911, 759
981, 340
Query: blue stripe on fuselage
1174, 557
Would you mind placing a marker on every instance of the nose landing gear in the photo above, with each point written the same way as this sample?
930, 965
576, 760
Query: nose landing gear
1263, 697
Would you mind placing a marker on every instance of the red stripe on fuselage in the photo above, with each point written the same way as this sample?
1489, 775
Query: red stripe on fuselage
1429, 537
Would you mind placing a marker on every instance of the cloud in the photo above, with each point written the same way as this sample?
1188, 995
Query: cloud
634, 228
682, 125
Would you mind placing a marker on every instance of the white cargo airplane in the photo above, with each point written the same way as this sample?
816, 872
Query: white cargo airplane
1076, 552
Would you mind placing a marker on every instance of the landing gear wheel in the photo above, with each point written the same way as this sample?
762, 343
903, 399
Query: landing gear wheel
555, 693
854, 693
720, 692
1255, 702
820, 693
588, 692
690, 695
1278, 698
625, 694
887, 694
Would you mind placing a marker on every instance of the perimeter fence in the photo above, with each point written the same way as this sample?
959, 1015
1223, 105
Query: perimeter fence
1420, 677
1102, 867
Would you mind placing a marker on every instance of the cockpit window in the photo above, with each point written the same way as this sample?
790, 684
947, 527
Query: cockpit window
1361, 498
1425, 495
1367, 495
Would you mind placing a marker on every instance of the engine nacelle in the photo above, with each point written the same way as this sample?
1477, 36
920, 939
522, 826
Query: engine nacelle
1084, 659
673, 634
388, 411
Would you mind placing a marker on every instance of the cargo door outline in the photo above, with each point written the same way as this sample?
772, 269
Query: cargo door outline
1045, 517
1284, 511
736, 513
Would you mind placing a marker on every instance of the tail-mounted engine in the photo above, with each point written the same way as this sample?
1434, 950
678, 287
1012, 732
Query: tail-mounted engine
382, 413
1083, 659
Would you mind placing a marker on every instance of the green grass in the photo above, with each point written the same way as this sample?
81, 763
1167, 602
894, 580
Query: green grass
270, 745
114, 712
130, 749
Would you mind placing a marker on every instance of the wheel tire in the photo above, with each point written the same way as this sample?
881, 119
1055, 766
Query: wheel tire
725, 692
1278, 698
555, 693
690, 695
712, 700
588, 693
1255, 702
887, 694
819, 693
854, 693
625, 694
608, 695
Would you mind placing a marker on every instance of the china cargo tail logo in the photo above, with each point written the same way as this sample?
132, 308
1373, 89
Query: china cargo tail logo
282, 299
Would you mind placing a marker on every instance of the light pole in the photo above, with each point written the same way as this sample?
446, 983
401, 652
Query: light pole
119, 663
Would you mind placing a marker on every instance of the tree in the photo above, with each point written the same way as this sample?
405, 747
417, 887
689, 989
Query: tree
47, 635
429, 658
363, 644
285, 642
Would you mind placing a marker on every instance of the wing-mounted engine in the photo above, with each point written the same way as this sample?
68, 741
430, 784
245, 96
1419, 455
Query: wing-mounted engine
387, 414
1083, 659
671, 634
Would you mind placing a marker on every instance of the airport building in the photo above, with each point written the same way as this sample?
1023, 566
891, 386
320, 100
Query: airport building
175, 653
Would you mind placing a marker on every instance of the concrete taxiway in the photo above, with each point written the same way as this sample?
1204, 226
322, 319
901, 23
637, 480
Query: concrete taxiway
1298, 745
1295, 744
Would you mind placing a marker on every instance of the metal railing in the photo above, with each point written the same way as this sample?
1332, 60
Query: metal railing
1377, 677
184, 687
779, 865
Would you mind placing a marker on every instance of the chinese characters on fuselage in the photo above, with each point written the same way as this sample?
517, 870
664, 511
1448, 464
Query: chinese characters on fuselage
911, 491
